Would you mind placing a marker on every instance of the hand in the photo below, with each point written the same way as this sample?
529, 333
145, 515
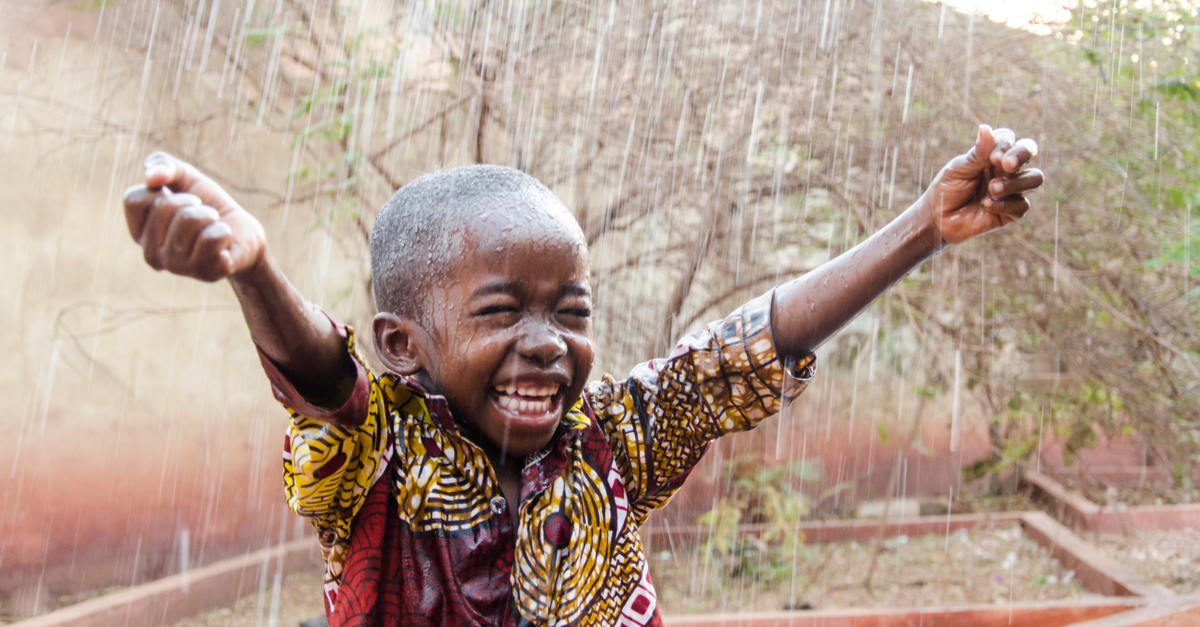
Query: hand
984, 189
190, 226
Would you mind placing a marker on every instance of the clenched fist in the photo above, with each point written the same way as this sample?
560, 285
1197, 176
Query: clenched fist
985, 188
188, 225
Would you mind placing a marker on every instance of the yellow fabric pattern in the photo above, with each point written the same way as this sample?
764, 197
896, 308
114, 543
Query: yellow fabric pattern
328, 468
661, 419
577, 558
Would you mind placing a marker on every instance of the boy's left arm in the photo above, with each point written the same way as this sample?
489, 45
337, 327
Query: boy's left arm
976, 192
730, 376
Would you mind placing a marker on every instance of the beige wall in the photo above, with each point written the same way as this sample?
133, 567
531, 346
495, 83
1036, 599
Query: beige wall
133, 403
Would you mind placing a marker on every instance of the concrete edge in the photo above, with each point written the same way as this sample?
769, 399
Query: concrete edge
181, 596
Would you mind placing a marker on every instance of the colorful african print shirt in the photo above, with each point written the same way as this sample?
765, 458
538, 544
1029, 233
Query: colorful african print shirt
414, 527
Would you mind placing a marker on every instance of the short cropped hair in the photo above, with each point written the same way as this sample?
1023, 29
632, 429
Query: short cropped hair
415, 234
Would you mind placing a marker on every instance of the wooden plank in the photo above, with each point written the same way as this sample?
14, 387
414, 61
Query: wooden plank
1046, 614
1127, 476
1146, 518
1180, 611
174, 598
1076, 510
1071, 507
1095, 570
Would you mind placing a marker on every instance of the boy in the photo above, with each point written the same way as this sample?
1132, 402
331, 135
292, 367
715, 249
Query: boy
482, 480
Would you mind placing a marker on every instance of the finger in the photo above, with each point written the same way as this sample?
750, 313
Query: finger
210, 258
138, 200
186, 225
1011, 206
164, 170
240, 257
1005, 139
158, 222
1020, 183
985, 142
1019, 155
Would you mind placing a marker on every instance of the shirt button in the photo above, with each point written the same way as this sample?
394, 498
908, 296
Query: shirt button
498, 505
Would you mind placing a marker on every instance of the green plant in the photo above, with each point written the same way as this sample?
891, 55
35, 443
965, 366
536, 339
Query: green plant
763, 495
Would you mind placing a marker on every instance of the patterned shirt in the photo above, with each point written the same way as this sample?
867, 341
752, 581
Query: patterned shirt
414, 527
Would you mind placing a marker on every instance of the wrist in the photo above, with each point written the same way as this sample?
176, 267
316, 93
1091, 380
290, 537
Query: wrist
923, 227
260, 273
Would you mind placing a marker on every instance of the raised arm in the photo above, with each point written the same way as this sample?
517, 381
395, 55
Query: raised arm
188, 225
976, 192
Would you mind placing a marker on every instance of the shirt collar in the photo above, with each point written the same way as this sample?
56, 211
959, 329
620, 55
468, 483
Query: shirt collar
541, 468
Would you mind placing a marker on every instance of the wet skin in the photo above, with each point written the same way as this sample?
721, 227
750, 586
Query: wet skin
507, 340
507, 334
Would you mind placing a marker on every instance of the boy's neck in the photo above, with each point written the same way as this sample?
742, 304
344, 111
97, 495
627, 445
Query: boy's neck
508, 469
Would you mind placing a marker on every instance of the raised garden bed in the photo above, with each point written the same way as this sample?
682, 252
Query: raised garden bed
1077, 510
1119, 596
993, 564
1170, 558
1116, 495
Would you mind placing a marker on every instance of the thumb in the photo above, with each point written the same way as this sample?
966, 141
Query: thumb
162, 170
979, 158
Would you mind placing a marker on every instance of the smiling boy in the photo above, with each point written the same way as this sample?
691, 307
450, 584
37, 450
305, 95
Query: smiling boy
483, 480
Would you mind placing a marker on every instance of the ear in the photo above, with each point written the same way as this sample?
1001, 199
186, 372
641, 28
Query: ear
399, 343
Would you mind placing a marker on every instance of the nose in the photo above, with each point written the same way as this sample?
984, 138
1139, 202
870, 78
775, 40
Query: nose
541, 342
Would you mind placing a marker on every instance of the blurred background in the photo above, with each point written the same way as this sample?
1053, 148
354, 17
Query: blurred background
709, 148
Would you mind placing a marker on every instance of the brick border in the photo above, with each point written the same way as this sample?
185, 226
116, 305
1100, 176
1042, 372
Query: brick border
1078, 511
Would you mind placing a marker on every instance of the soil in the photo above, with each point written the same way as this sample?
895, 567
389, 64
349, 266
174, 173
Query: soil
997, 565
1129, 496
988, 565
1170, 558
299, 600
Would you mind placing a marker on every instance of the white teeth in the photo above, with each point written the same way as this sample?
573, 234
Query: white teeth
529, 390
518, 404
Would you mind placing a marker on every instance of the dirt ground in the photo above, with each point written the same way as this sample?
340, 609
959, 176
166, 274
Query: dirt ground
1118, 497
1170, 558
982, 566
299, 600
996, 565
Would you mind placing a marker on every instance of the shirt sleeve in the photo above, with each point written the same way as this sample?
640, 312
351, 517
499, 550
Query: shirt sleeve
661, 419
332, 457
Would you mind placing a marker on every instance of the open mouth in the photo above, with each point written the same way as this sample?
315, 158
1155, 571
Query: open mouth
529, 401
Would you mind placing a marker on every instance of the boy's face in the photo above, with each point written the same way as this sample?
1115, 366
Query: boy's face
507, 333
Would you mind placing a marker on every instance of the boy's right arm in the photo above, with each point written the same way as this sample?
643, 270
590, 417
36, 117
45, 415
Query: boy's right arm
188, 225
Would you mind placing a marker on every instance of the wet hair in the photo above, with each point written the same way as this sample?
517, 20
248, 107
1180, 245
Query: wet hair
417, 232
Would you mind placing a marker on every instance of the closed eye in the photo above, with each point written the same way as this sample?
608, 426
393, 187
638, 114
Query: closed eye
581, 312
496, 309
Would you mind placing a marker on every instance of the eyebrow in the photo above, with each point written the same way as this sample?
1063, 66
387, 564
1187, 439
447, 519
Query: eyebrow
510, 287
499, 287
577, 289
